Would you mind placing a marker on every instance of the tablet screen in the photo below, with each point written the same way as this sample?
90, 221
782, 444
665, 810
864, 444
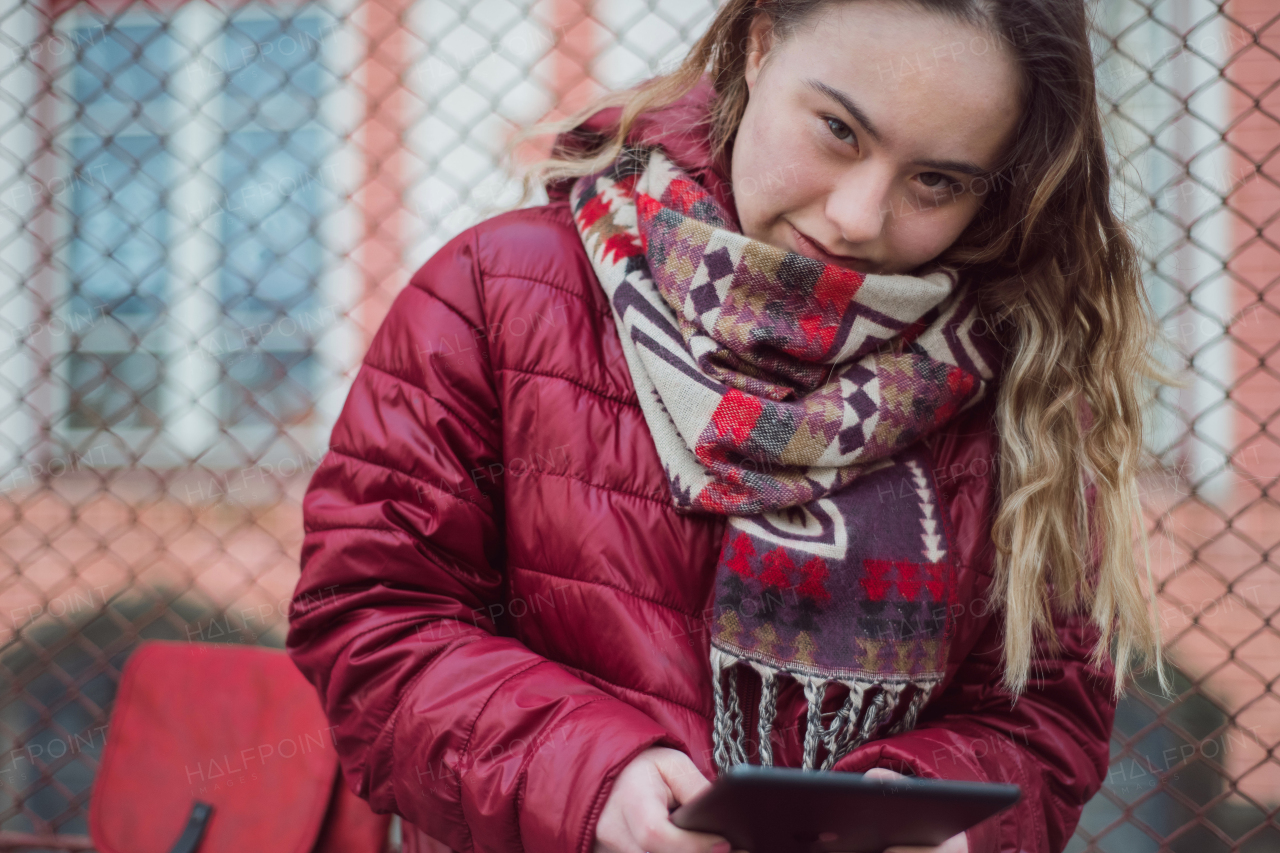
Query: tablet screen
787, 810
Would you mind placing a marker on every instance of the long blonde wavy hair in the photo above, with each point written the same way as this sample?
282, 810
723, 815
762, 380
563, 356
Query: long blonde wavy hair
1060, 279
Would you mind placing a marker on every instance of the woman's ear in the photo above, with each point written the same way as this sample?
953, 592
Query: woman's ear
759, 41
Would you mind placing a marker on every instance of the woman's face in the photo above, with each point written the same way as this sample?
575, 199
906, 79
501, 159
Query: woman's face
869, 131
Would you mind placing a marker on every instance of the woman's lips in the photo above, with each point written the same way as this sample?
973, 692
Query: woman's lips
810, 249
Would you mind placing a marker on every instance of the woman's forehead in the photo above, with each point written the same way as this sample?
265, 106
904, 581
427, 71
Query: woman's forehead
927, 85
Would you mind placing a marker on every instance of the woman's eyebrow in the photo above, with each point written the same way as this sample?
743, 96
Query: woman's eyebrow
845, 101
964, 167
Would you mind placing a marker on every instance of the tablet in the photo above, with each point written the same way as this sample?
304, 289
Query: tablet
788, 810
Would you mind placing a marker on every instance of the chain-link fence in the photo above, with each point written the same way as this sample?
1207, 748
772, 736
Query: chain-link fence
205, 212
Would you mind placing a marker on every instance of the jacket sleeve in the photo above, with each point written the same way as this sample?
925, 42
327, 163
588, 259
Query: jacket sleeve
1054, 741
399, 617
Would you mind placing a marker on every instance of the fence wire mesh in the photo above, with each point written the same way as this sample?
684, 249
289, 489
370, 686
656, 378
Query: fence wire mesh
206, 210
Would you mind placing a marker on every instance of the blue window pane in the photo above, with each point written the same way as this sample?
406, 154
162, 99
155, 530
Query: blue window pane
274, 199
289, 377
115, 389
273, 192
276, 189
118, 257
120, 78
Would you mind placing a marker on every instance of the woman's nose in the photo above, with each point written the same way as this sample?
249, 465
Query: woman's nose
860, 204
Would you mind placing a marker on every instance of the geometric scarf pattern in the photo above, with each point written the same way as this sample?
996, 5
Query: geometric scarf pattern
790, 395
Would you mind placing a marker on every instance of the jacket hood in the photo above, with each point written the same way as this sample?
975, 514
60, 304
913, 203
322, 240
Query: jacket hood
681, 128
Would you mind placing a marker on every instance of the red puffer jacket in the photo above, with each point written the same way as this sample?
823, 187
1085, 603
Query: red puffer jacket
500, 607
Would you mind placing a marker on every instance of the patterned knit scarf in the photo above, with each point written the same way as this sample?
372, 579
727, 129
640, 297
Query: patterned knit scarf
789, 394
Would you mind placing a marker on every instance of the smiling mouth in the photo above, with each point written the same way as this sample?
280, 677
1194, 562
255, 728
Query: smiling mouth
810, 249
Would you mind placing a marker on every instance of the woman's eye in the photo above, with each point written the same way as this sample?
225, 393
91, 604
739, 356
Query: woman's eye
933, 179
837, 126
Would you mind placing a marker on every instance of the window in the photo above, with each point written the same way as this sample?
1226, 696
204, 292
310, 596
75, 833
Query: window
273, 170
118, 264
201, 171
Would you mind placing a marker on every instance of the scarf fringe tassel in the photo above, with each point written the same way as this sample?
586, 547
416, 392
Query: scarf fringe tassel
843, 734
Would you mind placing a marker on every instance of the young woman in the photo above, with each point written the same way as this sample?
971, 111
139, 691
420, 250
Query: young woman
800, 427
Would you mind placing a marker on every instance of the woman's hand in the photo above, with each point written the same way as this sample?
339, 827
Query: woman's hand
635, 819
955, 844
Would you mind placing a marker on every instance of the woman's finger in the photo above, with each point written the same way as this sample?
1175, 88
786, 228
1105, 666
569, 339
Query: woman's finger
682, 777
653, 831
955, 844
882, 773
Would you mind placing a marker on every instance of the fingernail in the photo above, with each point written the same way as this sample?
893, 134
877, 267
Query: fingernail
722, 847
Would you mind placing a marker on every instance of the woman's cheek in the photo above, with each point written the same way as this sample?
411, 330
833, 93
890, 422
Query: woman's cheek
753, 139
917, 236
